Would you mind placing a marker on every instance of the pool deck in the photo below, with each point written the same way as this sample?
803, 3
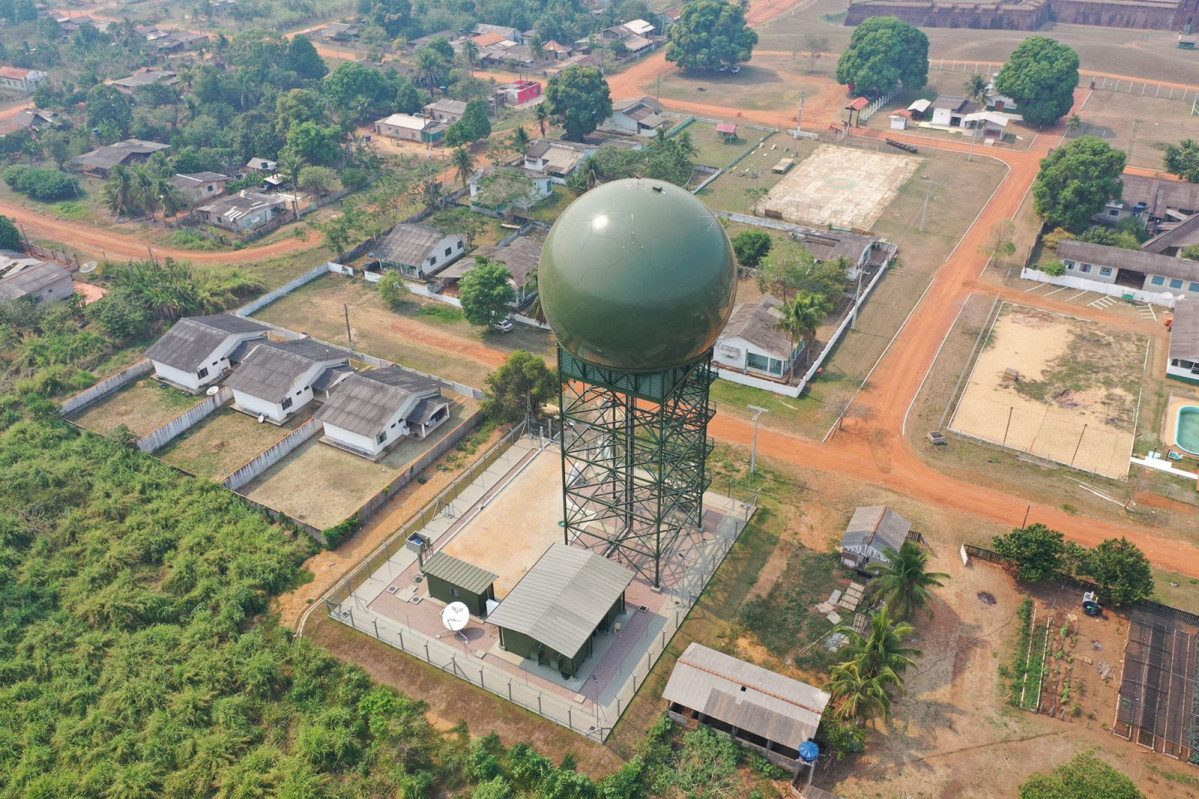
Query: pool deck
1171, 423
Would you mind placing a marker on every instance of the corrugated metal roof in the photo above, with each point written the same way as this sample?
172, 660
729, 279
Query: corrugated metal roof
521, 256
1147, 263
457, 572
746, 696
188, 345
110, 155
364, 405
311, 349
270, 371
757, 323
1184, 332
873, 529
563, 598
408, 244
32, 279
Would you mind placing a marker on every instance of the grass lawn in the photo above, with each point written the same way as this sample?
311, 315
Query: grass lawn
142, 406
1140, 126
712, 149
768, 83
224, 442
740, 187
549, 209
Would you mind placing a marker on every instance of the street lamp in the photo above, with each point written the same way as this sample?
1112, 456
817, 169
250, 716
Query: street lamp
753, 456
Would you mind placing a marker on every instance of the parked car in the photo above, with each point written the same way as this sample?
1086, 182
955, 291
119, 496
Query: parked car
504, 325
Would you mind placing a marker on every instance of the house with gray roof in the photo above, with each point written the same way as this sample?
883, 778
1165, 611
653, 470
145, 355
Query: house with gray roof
453, 580
1174, 237
871, 531
635, 116
558, 159
197, 186
123, 153
1107, 270
753, 706
418, 250
751, 343
147, 76
370, 412
520, 256
276, 379
41, 281
445, 111
199, 350
551, 615
1183, 360
243, 212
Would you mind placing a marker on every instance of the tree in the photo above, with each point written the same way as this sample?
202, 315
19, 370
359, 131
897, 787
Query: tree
486, 293
1076, 181
520, 139
290, 164
317, 179
783, 270
999, 242
393, 290
1041, 76
815, 45
1073, 124
429, 67
803, 316
470, 55
1191, 252
1084, 777
304, 60
857, 696
431, 194
904, 582
1121, 571
882, 653
10, 237
473, 125
541, 113
1182, 159
710, 34
463, 163
1036, 550
975, 87
107, 105
578, 99
519, 388
317, 144
751, 246
884, 53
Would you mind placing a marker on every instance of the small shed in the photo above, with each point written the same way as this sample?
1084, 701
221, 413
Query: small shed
453, 580
555, 610
899, 119
870, 532
783, 166
726, 131
919, 108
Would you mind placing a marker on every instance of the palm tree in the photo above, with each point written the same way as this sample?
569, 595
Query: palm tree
1073, 124
169, 197
429, 68
463, 163
520, 139
858, 696
882, 654
904, 583
976, 87
802, 318
118, 191
470, 55
541, 113
289, 165
537, 46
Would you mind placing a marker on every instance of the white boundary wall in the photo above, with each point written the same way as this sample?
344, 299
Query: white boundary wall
265, 460
105, 387
1140, 295
159, 437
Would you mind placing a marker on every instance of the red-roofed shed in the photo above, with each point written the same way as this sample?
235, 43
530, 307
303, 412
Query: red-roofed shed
726, 129
859, 104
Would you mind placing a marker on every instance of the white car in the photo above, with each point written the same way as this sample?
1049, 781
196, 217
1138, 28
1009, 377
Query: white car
504, 325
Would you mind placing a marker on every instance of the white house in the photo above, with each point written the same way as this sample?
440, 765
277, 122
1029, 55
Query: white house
21, 79
636, 116
557, 159
1106, 269
199, 350
951, 111
752, 343
199, 185
411, 128
1183, 363
41, 281
279, 378
419, 251
505, 188
445, 111
370, 412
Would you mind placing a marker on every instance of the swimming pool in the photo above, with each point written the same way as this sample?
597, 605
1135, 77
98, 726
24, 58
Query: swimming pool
1186, 432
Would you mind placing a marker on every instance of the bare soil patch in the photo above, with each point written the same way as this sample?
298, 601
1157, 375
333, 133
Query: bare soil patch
224, 442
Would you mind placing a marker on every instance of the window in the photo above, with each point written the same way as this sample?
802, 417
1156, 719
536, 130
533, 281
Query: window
1106, 271
1157, 280
1113, 212
449, 250
730, 351
454, 592
432, 260
460, 244
763, 363
1069, 265
1176, 283
1084, 268
1193, 287
203, 373
381, 437
286, 403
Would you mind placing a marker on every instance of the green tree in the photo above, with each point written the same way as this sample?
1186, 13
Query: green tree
1084, 777
781, 272
429, 67
520, 140
473, 125
975, 87
1121, 571
317, 180
10, 237
578, 99
1076, 181
341, 230
289, 165
317, 144
304, 60
519, 387
710, 34
751, 246
1040, 75
106, 105
904, 582
541, 113
1182, 159
884, 53
882, 652
463, 163
357, 91
857, 696
1036, 550
999, 244
803, 316
1191, 252
486, 293
706, 768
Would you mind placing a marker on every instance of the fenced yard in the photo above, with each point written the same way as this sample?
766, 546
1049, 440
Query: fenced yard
224, 441
142, 406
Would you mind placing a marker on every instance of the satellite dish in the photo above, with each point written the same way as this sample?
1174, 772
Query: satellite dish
213, 390
455, 616
90, 266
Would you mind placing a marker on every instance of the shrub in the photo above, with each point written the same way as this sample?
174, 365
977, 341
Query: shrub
392, 290
40, 183
1054, 268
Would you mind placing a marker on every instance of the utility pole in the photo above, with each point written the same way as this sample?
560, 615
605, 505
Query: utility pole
927, 195
349, 337
853, 321
799, 117
753, 456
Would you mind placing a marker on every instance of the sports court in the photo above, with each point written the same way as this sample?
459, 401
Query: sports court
842, 187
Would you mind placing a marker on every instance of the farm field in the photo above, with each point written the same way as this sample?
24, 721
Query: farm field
142, 406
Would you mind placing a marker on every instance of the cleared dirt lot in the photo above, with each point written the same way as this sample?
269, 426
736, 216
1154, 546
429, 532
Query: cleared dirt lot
1056, 387
322, 485
141, 406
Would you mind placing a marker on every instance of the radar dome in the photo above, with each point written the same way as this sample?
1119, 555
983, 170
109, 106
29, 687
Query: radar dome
637, 275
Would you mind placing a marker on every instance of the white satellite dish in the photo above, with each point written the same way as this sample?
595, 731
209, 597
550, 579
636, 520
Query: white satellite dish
213, 390
89, 266
455, 616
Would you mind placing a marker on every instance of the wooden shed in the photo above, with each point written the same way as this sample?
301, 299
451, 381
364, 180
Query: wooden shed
454, 580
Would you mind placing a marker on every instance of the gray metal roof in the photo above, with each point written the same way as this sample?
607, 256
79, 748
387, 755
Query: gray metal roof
746, 696
756, 322
1160, 194
873, 529
311, 349
521, 256
270, 371
1146, 263
192, 180
425, 409
1180, 236
32, 279
110, 155
408, 244
464, 575
235, 206
563, 598
188, 345
1184, 332
826, 245
363, 404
